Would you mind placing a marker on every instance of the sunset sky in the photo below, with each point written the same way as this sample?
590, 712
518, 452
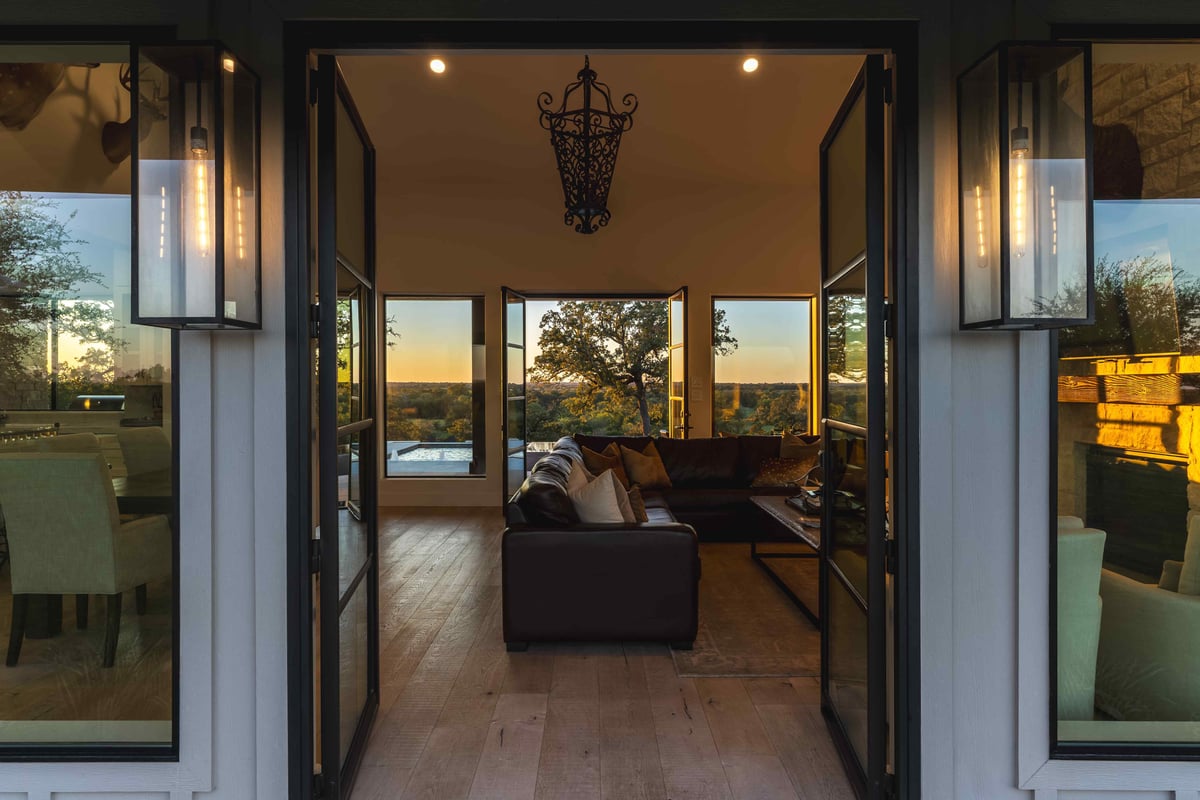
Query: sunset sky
435, 340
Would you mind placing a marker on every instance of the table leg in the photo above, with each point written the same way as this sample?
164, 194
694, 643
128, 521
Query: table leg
761, 560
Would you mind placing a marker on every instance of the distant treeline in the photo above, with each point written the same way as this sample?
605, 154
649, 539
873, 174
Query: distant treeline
441, 412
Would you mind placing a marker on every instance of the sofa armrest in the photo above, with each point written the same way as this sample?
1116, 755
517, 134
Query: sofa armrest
1149, 648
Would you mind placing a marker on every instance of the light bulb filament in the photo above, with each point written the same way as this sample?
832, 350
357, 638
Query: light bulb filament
1019, 202
979, 225
200, 182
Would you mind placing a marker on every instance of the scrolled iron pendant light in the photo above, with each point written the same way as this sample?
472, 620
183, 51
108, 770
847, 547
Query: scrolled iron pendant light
585, 141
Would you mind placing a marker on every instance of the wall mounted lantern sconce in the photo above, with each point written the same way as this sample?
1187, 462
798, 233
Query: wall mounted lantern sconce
196, 258
1025, 188
585, 140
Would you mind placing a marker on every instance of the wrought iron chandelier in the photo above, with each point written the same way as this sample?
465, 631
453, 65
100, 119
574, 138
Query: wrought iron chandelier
585, 141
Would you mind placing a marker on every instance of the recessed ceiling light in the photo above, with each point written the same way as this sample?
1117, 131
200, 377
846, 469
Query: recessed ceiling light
437, 65
750, 64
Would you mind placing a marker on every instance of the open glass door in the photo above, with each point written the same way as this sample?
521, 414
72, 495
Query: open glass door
854, 611
345, 440
513, 428
677, 393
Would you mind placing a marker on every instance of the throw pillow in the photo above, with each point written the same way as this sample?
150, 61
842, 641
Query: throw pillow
578, 477
597, 501
1189, 576
638, 505
646, 468
628, 515
793, 446
782, 472
610, 458
1169, 579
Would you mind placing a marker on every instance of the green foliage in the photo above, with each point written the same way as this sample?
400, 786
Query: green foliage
429, 412
760, 408
40, 268
616, 354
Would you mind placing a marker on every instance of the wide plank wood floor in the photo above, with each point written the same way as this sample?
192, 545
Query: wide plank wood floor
460, 717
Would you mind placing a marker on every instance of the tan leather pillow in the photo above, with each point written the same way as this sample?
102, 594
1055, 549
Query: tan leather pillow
609, 458
793, 446
646, 469
782, 472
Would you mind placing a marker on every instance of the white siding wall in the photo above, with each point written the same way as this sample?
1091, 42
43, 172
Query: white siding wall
984, 681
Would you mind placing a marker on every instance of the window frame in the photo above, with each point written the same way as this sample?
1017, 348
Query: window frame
813, 348
478, 397
194, 764
1058, 771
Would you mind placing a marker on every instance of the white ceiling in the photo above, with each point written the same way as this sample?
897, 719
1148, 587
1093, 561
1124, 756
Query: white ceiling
701, 119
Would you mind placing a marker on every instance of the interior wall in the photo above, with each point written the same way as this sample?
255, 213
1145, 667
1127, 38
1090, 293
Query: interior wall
719, 232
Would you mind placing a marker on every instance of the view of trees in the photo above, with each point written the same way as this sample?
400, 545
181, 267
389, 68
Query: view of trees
41, 276
760, 407
429, 412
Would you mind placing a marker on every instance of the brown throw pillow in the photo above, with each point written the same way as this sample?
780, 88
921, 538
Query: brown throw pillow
610, 458
638, 504
782, 472
645, 469
793, 446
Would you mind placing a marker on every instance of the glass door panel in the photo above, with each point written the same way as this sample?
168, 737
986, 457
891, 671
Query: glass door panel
677, 382
854, 397
515, 433
347, 611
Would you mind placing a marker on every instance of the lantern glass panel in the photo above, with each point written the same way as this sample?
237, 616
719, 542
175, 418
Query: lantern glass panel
240, 123
1046, 159
177, 202
979, 182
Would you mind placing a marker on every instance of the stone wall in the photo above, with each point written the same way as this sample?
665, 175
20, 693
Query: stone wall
1160, 104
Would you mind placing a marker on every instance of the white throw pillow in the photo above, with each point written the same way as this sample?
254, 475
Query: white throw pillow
597, 502
1189, 576
578, 478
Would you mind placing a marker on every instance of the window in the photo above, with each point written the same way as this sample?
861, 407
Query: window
762, 365
1128, 425
86, 424
435, 386
596, 366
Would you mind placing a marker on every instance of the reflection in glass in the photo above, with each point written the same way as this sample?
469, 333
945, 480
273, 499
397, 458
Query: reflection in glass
847, 482
762, 366
349, 348
435, 386
846, 348
1128, 617
848, 665
352, 667
86, 424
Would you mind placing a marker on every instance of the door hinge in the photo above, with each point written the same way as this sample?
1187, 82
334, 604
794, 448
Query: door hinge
889, 320
314, 321
314, 556
889, 556
887, 86
312, 87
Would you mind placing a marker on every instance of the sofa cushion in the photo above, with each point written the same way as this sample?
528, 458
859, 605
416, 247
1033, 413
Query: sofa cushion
752, 451
680, 500
700, 462
543, 496
598, 443
609, 458
645, 468
803, 446
597, 501
659, 516
1189, 575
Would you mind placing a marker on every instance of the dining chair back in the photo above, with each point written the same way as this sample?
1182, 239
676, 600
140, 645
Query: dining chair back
145, 449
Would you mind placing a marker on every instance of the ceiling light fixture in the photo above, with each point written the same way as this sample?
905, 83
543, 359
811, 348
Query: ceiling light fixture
437, 65
585, 141
750, 64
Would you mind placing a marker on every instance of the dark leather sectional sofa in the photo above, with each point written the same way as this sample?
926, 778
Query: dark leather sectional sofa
564, 580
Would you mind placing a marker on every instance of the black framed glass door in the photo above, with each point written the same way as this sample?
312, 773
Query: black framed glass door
346, 597
854, 634
513, 427
678, 414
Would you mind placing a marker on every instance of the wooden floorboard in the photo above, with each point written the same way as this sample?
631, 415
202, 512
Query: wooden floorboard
462, 718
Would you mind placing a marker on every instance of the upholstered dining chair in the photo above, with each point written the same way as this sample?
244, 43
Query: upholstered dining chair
65, 537
144, 449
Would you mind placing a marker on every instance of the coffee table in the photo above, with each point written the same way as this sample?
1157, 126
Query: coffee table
806, 529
